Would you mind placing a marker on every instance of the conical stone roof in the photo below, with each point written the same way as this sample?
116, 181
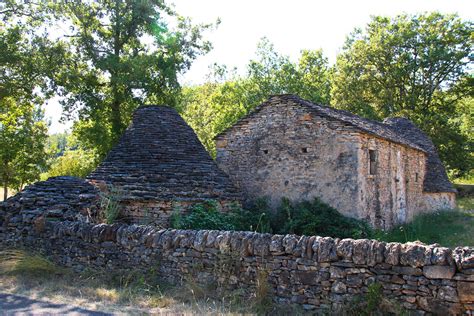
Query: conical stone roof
159, 157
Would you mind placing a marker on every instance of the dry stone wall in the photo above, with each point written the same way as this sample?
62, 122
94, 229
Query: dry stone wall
317, 273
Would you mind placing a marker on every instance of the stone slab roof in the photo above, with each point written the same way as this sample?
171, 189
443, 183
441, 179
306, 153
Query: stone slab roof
400, 132
436, 179
159, 157
64, 197
362, 124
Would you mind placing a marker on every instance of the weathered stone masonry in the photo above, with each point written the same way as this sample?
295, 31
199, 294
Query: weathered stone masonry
384, 173
158, 166
317, 273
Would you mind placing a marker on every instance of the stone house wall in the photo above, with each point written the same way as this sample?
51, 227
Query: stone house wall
286, 150
439, 201
394, 194
289, 152
320, 274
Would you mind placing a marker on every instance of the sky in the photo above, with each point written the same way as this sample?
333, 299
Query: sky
290, 25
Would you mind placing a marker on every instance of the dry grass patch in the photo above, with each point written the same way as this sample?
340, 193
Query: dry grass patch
127, 292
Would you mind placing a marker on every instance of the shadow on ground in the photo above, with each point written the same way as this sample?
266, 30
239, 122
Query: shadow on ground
20, 305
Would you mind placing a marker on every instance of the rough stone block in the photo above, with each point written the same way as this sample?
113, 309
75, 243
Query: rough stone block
338, 287
344, 249
464, 257
439, 272
276, 245
466, 291
448, 293
307, 277
327, 250
289, 243
415, 255
360, 252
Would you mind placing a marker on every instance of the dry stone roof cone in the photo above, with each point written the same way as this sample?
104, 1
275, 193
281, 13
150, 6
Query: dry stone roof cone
159, 157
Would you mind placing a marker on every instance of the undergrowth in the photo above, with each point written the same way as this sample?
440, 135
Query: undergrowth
131, 291
317, 218
450, 228
304, 218
110, 204
26, 264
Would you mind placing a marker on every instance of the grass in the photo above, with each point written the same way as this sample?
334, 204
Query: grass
451, 228
466, 204
469, 179
127, 292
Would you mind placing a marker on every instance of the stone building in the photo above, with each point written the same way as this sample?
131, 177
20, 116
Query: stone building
160, 165
385, 173
65, 198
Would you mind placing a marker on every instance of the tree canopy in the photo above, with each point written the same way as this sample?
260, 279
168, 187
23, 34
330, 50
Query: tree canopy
225, 97
414, 66
122, 54
27, 63
105, 58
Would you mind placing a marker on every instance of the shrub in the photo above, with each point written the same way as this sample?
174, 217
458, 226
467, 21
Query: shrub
110, 204
206, 215
317, 218
305, 218
77, 163
202, 216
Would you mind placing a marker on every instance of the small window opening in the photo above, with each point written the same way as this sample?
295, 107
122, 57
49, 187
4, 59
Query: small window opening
416, 176
372, 157
304, 150
265, 151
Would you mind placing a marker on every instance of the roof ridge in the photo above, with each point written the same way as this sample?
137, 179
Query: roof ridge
383, 130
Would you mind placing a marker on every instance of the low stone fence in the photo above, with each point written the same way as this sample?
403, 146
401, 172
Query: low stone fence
317, 273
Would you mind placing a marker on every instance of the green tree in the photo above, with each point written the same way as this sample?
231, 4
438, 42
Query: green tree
410, 66
23, 134
77, 163
57, 144
68, 158
226, 97
273, 73
121, 54
26, 62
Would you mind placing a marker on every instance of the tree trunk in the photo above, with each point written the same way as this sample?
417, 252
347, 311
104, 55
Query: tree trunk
116, 119
116, 116
5, 191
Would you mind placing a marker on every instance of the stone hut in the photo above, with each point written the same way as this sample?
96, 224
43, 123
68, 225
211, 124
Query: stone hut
159, 165
58, 198
385, 173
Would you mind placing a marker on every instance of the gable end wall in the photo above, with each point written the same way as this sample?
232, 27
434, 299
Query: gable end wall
286, 150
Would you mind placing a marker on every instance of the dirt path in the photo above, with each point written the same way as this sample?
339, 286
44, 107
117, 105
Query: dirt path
20, 305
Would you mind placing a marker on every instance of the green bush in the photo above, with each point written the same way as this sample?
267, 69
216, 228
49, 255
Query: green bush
110, 204
317, 218
77, 163
206, 215
305, 218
